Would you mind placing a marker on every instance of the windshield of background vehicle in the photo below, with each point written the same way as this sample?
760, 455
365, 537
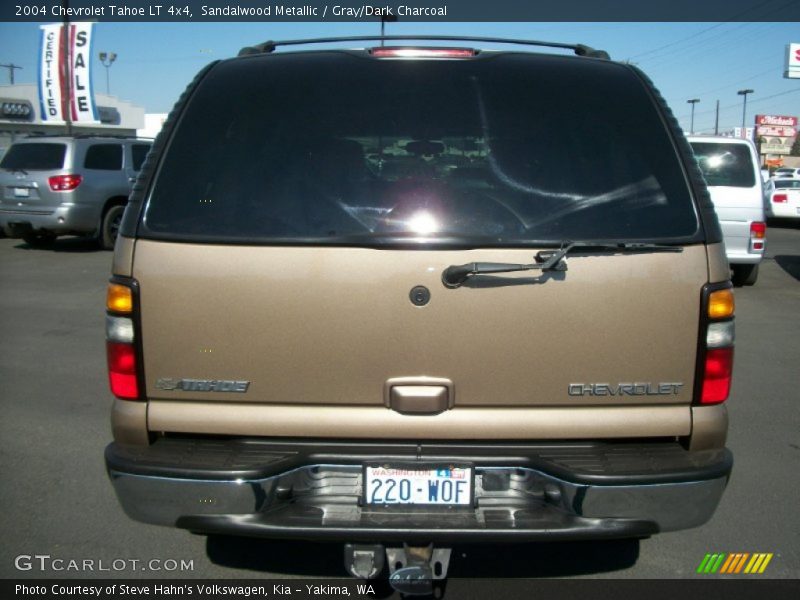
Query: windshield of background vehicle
725, 164
337, 147
34, 157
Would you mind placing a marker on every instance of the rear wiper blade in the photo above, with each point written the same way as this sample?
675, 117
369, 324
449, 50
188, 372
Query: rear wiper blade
546, 260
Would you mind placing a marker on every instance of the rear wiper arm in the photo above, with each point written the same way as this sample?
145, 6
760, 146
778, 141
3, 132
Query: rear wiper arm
547, 260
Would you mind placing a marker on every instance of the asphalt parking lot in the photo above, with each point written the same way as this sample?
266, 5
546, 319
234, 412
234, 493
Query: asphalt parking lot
57, 500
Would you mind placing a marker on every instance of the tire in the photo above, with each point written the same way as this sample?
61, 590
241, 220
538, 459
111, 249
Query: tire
110, 227
744, 275
38, 239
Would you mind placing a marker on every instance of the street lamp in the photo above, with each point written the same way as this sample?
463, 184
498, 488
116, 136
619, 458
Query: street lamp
693, 101
107, 59
744, 108
386, 19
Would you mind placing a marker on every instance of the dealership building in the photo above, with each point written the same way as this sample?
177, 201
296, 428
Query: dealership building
21, 115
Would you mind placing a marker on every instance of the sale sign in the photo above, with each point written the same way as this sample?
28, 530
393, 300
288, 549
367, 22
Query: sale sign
65, 81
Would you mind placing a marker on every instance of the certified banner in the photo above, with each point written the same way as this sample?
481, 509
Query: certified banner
51, 75
65, 79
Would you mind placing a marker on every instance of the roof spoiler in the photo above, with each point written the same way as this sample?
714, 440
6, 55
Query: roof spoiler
269, 46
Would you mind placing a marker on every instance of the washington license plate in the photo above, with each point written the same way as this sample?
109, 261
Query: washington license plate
411, 485
21, 192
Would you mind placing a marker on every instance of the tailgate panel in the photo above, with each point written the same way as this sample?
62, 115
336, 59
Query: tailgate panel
314, 326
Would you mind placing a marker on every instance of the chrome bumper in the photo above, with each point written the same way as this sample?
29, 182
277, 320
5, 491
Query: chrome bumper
323, 501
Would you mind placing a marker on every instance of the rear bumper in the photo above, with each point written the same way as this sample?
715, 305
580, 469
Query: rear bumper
744, 258
783, 211
65, 218
736, 235
522, 492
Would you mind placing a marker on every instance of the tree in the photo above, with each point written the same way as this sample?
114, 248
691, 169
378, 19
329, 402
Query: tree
795, 151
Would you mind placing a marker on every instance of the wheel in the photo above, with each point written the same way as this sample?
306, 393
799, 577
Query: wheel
744, 275
110, 228
37, 239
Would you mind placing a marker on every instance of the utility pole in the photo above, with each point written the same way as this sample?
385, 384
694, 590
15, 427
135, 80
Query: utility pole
693, 101
716, 121
66, 70
11, 67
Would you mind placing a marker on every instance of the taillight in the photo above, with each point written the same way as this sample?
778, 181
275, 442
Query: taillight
717, 379
715, 356
124, 366
394, 52
122, 370
780, 198
64, 183
758, 236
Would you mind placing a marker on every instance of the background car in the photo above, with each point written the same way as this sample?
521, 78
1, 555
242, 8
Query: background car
783, 198
784, 172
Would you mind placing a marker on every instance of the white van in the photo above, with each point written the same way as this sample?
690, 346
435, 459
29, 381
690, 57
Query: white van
730, 167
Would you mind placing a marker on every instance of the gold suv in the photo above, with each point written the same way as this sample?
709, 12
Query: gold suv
406, 296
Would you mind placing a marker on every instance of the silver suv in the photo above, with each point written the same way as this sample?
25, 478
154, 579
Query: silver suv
68, 185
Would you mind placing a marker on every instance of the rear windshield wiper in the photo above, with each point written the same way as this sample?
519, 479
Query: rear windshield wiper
546, 260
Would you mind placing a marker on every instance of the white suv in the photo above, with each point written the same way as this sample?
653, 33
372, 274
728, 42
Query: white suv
730, 167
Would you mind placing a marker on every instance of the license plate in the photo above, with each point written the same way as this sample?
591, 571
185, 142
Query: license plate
413, 485
21, 192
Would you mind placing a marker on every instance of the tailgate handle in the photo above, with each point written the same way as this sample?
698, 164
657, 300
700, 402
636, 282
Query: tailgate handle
419, 399
418, 395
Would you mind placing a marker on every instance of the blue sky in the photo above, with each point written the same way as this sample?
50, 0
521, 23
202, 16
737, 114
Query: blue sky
709, 61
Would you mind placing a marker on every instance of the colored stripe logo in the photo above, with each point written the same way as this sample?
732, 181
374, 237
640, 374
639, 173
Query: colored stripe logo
735, 563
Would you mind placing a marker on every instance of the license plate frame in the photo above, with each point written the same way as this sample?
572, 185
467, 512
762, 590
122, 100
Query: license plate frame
418, 475
22, 192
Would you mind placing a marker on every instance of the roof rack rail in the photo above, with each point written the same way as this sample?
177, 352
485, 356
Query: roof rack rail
269, 46
41, 134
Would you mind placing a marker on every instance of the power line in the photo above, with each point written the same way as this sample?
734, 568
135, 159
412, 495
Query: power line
694, 35
735, 84
738, 105
703, 48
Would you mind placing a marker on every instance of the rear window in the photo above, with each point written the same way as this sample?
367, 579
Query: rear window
339, 148
104, 157
725, 164
788, 183
35, 157
139, 153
